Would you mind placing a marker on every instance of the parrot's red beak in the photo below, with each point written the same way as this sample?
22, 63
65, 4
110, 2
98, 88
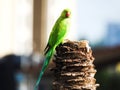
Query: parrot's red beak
67, 14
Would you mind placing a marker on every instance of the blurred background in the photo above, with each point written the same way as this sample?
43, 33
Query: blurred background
24, 30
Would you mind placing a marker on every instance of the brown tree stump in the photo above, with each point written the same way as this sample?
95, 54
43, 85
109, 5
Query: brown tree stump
74, 68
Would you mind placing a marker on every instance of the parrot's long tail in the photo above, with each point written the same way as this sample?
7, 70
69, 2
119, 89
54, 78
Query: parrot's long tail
46, 62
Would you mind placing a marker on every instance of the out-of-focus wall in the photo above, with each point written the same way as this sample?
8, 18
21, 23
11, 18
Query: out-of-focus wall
16, 26
6, 26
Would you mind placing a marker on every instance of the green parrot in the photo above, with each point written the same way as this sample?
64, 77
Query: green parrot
56, 37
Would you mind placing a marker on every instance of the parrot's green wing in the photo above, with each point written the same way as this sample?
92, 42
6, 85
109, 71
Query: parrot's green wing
59, 33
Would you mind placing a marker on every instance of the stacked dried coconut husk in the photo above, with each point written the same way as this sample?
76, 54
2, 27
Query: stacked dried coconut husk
74, 68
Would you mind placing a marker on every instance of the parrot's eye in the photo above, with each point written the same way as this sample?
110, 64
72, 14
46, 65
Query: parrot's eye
67, 14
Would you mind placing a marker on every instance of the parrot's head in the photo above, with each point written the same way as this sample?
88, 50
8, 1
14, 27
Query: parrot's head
66, 13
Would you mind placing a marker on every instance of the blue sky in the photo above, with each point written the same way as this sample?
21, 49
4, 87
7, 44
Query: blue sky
94, 16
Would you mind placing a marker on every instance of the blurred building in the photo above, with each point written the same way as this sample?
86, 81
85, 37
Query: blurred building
112, 37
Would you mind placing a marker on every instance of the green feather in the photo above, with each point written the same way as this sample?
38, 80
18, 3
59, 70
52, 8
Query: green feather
57, 35
46, 62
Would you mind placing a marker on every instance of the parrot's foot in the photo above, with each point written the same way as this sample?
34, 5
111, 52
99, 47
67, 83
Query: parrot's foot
66, 40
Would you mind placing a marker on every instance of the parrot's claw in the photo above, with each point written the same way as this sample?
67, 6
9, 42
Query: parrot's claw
66, 40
